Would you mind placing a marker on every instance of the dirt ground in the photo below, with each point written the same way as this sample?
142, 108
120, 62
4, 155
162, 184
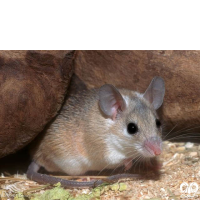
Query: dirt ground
179, 178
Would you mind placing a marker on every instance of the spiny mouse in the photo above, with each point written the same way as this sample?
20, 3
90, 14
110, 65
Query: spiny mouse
100, 129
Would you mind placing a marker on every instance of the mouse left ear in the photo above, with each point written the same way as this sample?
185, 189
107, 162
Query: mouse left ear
155, 92
110, 101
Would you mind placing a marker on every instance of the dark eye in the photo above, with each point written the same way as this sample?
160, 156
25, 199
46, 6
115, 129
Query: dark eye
158, 123
132, 128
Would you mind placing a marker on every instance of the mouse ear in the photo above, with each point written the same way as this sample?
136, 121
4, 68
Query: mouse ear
110, 101
155, 92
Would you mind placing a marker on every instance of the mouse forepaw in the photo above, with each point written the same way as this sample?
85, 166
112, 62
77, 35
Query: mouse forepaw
128, 163
155, 165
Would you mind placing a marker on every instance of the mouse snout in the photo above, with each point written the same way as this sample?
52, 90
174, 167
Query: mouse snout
153, 145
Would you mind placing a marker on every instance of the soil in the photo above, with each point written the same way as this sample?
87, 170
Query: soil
180, 164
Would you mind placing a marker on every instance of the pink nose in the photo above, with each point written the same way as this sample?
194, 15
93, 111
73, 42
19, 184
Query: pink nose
157, 151
154, 144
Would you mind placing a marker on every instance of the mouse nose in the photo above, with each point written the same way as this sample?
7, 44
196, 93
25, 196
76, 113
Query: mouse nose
154, 145
157, 152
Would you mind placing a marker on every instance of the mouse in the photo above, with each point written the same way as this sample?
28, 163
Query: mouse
101, 128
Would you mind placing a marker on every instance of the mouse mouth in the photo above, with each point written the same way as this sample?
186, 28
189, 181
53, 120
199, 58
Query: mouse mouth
152, 147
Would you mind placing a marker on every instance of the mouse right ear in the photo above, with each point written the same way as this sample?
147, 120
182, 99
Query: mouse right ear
110, 101
155, 92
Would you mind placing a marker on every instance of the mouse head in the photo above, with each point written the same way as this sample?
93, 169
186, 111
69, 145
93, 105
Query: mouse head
136, 128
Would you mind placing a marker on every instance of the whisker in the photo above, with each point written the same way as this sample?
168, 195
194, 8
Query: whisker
135, 154
185, 129
183, 135
136, 162
103, 169
170, 131
139, 161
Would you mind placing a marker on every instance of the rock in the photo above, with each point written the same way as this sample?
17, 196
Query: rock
180, 149
189, 145
193, 154
32, 88
172, 147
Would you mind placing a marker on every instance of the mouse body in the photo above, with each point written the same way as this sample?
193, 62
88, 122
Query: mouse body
103, 128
